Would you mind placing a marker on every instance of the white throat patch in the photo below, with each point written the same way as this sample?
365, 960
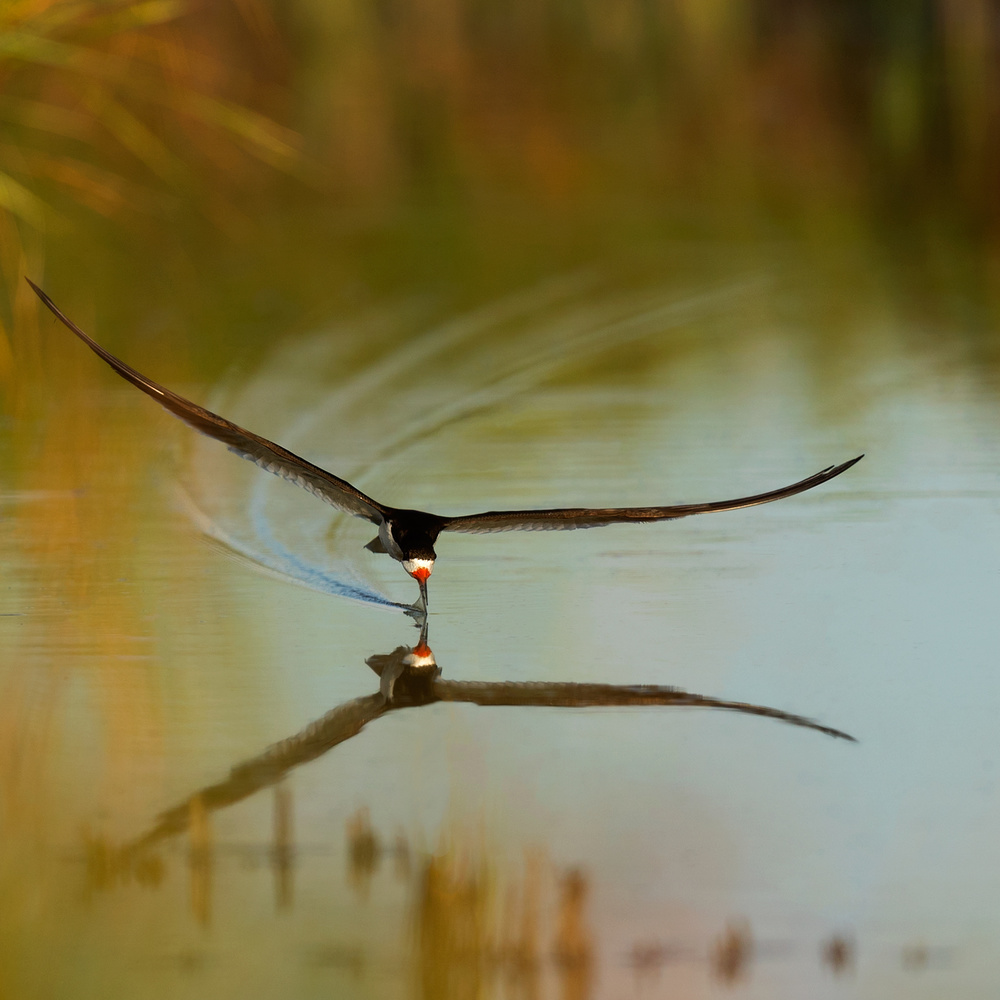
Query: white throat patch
412, 565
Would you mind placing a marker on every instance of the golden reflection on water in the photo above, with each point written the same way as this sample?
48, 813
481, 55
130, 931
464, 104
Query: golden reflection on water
81, 531
97, 625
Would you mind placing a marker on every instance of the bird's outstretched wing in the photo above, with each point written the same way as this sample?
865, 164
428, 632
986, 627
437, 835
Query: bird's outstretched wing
586, 517
269, 767
268, 455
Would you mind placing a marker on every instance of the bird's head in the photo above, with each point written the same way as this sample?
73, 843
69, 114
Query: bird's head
420, 564
415, 533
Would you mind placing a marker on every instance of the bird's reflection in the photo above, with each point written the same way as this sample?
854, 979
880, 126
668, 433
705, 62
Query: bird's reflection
449, 897
410, 677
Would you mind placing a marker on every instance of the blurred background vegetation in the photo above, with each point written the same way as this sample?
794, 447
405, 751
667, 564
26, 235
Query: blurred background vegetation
208, 174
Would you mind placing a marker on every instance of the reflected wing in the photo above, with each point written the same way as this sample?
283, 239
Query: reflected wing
268, 455
587, 517
337, 726
568, 695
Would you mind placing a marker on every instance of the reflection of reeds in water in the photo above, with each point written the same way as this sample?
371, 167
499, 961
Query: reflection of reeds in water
478, 931
455, 931
519, 940
733, 952
200, 861
104, 867
573, 949
364, 852
282, 854
919, 957
837, 954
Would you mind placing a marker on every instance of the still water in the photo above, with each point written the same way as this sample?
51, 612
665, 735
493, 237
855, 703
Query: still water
156, 644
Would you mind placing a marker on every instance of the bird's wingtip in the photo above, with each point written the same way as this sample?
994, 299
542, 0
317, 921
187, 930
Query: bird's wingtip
847, 465
839, 734
38, 291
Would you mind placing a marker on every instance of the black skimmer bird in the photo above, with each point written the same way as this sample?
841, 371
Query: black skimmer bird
409, 535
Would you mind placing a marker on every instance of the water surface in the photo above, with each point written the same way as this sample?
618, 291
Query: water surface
153, 640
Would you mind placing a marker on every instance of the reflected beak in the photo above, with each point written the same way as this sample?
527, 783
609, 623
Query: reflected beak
420, 574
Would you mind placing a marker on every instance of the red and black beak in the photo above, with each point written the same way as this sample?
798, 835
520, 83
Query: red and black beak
420, 574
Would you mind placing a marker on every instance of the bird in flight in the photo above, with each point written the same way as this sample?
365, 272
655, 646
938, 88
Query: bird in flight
409, 535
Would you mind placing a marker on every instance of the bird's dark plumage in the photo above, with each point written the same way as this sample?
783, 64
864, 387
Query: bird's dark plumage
408, 535
594, 517
246, 444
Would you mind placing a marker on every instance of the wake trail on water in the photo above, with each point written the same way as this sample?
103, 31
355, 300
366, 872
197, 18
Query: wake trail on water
279, 561
378, 414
